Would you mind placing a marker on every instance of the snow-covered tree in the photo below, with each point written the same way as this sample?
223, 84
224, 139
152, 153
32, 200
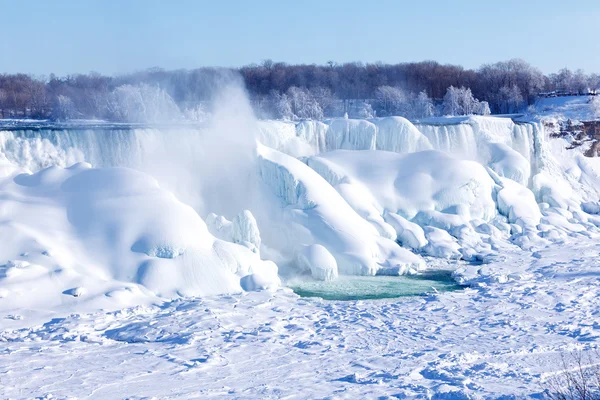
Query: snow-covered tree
64, 108
469, 104
510, 99
452, 104
304, 105
484, 108
423, 106
392, 101
282, 109
364, 110
460, 101
324, 98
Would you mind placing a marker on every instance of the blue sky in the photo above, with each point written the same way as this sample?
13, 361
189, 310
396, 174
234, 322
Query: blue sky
116, 36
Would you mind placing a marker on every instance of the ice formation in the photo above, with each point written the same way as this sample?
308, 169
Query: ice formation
242, 230
330, 197
98, 234
314, 213
316, 259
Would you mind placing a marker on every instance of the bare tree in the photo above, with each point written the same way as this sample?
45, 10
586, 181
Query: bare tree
578, 380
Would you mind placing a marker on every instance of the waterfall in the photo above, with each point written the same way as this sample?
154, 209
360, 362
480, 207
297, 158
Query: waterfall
180, 157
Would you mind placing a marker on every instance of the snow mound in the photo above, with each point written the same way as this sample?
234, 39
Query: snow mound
408, 184
408, 233
96, 234
441, 244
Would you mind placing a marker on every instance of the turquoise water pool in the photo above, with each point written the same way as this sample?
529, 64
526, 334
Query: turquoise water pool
376, 287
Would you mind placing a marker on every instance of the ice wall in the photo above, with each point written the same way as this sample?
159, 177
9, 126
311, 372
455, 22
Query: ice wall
466, 137
306, 138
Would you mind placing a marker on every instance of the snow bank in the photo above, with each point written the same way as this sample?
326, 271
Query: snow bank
426, 201
509, 163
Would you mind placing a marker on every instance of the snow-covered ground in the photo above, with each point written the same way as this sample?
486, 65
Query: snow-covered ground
155, 271
576, 108
501, 338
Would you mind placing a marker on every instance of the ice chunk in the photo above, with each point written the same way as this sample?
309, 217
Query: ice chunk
316, 259
245, 231
441, 244
409, 233
508, 163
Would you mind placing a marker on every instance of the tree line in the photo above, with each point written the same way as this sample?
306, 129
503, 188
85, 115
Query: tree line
279, 90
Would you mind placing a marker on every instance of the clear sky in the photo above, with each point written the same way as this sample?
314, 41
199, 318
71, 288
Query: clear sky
116, 36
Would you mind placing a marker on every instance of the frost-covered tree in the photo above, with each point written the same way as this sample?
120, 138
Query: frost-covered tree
64, 108
510, 99
563, 80
392, 101
282, 109
324, 98
484, 108
594, 81
304, 105
469, 104
364, 110
580, 82
423, 106
460, 101
452, 104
